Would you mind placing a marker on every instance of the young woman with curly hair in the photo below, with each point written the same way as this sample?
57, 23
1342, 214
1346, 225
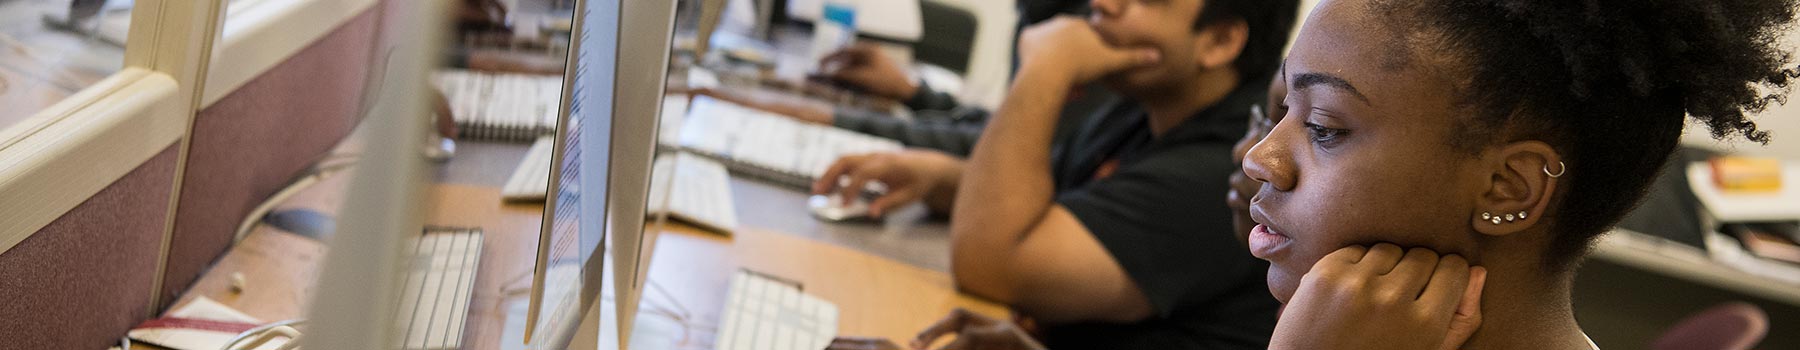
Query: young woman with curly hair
1443, 165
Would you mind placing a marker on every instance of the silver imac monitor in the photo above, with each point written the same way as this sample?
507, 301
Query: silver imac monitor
360, 279
593, 235
605, 141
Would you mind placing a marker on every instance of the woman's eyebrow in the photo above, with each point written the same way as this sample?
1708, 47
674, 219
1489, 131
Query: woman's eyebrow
1309, 79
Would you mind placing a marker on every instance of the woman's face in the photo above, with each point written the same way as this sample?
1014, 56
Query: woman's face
1362, 155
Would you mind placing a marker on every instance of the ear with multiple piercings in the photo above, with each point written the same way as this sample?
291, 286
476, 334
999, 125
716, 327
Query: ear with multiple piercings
1503, 218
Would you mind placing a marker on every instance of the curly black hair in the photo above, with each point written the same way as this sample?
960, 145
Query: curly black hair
1608, 83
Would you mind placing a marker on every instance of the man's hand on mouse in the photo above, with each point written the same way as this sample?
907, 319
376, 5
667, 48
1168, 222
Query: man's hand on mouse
910, 176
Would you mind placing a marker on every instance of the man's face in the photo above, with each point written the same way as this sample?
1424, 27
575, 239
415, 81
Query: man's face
1166, 25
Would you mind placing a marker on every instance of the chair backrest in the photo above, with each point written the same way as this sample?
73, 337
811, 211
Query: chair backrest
1728, 326
948, 36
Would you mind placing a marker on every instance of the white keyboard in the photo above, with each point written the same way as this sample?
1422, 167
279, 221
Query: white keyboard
674, 112
531, 180
434, 302
765, 314
770, 146
508, 107
693, 189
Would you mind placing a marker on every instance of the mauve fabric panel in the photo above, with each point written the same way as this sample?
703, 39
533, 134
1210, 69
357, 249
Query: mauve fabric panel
83, 280
254, 141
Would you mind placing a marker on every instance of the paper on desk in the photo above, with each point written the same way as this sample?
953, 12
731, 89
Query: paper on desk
698, 78
202, 324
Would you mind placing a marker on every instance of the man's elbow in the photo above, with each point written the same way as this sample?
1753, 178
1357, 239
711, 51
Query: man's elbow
981, 275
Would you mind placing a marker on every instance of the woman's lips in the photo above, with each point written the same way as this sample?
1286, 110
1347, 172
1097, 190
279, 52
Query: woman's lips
1266, 243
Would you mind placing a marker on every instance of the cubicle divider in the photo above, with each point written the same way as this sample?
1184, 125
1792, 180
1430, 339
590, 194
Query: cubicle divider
81, 281
137, 231
254, 140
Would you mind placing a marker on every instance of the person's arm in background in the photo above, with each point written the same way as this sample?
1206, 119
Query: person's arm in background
927, 99
1010, 241
865, 69
954, 135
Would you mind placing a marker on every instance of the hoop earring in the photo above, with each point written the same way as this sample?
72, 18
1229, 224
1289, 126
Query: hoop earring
1559, 173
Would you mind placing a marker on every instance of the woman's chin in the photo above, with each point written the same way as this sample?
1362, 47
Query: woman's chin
1282, 284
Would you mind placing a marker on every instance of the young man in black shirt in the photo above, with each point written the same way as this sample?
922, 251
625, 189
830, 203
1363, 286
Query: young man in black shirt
1118, 237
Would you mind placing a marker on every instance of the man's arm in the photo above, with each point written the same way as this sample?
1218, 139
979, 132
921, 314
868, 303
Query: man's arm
955, 138
1010, 241
927, 99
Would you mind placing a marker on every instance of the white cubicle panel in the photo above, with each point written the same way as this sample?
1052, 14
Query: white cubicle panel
1628, 248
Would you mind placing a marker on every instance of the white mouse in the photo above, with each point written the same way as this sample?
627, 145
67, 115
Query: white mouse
832, 208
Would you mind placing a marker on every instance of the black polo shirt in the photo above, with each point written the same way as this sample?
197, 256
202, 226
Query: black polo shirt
1161, 213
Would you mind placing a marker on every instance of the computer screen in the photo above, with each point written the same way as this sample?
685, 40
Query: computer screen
594, 213
613, 91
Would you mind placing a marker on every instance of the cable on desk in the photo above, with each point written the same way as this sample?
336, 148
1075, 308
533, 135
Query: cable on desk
671, 296
311, 178
230, 345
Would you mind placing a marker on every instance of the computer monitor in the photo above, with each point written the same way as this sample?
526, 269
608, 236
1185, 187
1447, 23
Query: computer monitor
601, 171
359, 281
600, 178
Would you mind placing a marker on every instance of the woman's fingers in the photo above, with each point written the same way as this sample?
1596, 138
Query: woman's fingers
1413, 272
1468, 311
1380, 259
1345, 256
1447, 287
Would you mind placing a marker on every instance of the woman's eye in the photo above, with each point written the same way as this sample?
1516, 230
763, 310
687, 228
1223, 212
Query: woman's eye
1324, 135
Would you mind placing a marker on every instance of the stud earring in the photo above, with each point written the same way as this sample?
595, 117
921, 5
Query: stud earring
1521, 215
1510, 218
1559, 173
1486, 216
1491, 218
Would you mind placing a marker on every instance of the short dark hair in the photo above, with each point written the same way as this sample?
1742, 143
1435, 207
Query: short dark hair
1609, 84
1270, 22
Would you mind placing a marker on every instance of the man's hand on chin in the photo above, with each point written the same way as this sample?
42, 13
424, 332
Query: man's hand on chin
1069, 48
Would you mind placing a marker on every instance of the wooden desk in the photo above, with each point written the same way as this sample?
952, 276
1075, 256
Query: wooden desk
908, 235
280, 268
876, 295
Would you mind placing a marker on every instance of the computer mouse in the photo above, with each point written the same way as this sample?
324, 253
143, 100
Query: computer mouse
832, 208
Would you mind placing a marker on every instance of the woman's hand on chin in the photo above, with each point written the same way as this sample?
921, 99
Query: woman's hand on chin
1383, 297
